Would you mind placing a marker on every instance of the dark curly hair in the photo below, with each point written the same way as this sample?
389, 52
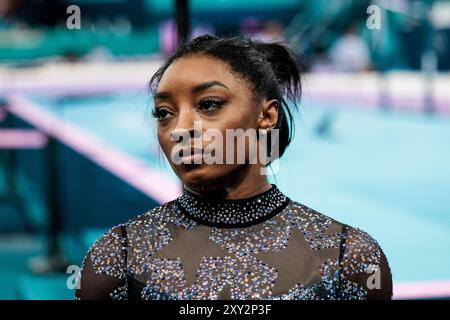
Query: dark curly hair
272, 70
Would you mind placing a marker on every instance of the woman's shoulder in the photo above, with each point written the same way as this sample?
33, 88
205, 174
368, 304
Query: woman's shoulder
144, 222
361, 259
314, 222
154, 217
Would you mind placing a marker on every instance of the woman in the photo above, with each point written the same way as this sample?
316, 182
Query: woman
231, 234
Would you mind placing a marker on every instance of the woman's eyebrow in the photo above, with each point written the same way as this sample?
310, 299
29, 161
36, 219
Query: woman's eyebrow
199, 87
206, 85
162, 95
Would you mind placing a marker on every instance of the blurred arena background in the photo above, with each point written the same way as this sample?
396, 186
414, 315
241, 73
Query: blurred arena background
78, 150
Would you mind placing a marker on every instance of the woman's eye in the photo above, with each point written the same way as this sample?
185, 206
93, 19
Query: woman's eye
161, 114
210, 104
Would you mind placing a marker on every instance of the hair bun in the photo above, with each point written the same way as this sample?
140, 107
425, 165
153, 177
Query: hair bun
285, 66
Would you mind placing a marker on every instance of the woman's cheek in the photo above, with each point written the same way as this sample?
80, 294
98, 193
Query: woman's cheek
166, 146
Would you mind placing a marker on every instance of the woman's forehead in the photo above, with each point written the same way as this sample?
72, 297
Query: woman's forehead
192, 70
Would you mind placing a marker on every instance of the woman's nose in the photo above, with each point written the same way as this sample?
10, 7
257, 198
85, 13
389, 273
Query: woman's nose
187, 125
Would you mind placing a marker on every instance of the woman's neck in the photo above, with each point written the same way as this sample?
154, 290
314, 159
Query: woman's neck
244, 183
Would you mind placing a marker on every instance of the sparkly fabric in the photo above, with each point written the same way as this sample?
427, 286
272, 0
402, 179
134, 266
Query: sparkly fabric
287, 252
233, 213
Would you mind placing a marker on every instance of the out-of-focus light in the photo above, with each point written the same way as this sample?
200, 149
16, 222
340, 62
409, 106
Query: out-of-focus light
440, 15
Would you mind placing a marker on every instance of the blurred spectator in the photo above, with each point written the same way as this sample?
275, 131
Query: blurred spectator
250, 26
321, 62
350, 53
32, 12
272, 31
99, 53
169, 37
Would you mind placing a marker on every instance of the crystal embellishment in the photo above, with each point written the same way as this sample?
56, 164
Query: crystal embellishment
233, 213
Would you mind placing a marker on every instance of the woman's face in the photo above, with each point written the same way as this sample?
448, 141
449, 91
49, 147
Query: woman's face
201, 88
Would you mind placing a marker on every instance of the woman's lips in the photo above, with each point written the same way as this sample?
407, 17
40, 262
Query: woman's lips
191, 155
192, 159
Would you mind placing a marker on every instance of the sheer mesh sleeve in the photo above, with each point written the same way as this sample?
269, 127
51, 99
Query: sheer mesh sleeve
365, 272
103, 272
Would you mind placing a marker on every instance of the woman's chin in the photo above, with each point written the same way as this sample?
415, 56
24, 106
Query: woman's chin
205, 174
198, 175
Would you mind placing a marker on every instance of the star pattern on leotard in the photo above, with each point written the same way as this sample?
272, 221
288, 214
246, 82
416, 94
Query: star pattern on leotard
185, 247
293, 261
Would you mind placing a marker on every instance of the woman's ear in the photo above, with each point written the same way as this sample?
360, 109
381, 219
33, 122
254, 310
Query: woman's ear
268, 116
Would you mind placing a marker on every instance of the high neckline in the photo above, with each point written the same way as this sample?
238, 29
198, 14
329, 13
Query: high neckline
232, 213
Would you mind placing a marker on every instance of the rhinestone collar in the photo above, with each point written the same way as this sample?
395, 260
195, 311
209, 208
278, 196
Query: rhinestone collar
232, 213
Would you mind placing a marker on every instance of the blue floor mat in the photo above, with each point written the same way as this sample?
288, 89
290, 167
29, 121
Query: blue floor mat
15, 252
45, 287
